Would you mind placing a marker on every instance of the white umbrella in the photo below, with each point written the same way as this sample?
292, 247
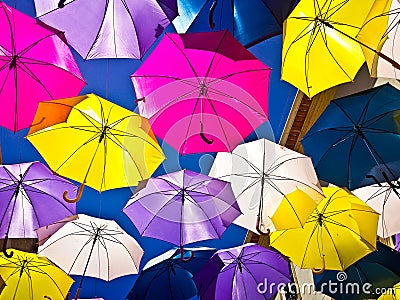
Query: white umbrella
262, 173
93, 247
385, 199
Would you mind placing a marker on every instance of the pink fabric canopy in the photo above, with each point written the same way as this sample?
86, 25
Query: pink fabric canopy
203, 92
35, 65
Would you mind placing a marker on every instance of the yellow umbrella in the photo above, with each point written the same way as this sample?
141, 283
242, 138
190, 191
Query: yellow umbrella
320, 49
295, 209
95, 142
30, 277
340, 231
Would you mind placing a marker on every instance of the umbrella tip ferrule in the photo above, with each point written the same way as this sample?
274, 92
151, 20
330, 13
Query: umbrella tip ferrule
13, 62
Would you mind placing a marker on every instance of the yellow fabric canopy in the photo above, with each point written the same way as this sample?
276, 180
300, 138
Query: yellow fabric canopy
95, 142
340, 231
31, 277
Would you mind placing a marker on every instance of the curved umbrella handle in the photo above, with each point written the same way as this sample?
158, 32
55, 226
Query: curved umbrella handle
258, 227
61, 3
319, 271
389, 60
78, 197
9, 255
182, 255
203, 137
211, 15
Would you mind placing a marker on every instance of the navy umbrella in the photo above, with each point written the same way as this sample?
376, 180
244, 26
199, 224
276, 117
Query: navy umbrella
168, 277
355, 141
364, 279
249, 21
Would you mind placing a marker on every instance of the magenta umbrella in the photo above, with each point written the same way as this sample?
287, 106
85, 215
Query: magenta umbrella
203, 92
35, 65
182, 207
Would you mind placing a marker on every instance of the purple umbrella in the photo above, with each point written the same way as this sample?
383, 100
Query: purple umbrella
31, 197
182, 207
108, 29
245, 272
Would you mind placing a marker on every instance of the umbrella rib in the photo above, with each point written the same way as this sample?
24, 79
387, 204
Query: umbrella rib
308, 242
185, 57
190, 123
31, 74
127, 134
98, 31
218, 118
118, 143
215, 52
331, 54
333, 242
32, 61
41, 271
76, 150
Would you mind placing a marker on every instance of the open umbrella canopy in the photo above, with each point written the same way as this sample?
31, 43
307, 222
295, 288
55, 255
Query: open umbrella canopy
215, 99
265, 177
236, 273
35, 65
31, 197
29, 276
250, 22
95, 247
169, 276
182, 207
340, 231
379, 269
381, 31
385, 199
325, 31
349, 142
95, 142
108, 29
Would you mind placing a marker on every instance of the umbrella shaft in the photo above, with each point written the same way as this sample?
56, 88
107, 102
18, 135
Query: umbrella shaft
88, 260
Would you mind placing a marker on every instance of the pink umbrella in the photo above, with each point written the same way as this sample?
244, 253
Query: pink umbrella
35, 65
203, 92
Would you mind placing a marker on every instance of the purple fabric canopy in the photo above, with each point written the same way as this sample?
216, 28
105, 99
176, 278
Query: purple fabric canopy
108, 29
31, 197
182, 207
245, 272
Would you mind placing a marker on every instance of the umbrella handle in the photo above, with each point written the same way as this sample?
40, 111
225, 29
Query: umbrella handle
203, 137
389, 60
78, 291
319, 271
258, 227
78, 197
9, 255
182, 255
211, 15
61, 3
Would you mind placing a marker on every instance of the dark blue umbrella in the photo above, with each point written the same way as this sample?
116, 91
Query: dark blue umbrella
375, 272
169, 277
355, 141
249, 21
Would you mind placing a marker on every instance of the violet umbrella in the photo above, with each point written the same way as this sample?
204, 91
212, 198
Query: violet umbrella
212, 101
248, 271
108, 29
35, 65
31, 197
182, 207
